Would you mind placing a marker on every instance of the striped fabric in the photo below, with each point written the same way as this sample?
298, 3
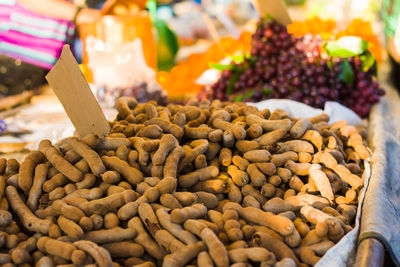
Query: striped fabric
30, 37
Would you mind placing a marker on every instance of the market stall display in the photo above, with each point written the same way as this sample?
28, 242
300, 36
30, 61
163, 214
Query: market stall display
303, 69
208, 182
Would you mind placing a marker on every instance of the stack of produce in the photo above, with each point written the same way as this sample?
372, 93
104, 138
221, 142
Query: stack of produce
304, 69
202, 184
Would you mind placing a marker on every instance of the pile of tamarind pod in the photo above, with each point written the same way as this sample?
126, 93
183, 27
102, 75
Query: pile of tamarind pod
204, 184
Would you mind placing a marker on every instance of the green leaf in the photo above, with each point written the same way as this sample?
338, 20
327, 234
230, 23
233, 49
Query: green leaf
152, 7
232, 80
247, 94
221, 67
267, 91
367, 60
268, 17
238, 98
347, 46
347, 73
252, 61
238, 58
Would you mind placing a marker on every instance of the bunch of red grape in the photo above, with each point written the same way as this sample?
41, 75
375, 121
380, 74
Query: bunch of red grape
284, 66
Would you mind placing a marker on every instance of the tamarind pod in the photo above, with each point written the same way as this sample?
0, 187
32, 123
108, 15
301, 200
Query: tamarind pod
296, 146
132, 175
191, 179
61, 164
44, 261
89, 155
254, 131
116, 234
194, 226
215, 247
301, 169
214, 186
228, 138
254, 254
257, 178
124, 249
314, 137
56, 181
204, 115
207, 199
344, 174
184, 255
104, 205
293, 240
278, 114
148, 217
220, 114
321, 181
130, 209
55, 247
225, 157
99, 254
3, 164
319, 118
87, 181
167, 143
57, 193
204, 259
5, 258
240, 178
125, 105
167, 127
215, 135
280, 224
276, 246
28, 219
27, 168
272, 137
240, 162
197, 132
166, 240
36, 189
150, 131
200, 161
269, 125
250, 190
246, 145
169, 201
280, 159
300, 127
308, 256
179, 119
257, 156
89, 194
192, 212
112, 143
5, 218
12, 167
2, 186
144, 239
175, 229
304, 199
150, 145
69, 227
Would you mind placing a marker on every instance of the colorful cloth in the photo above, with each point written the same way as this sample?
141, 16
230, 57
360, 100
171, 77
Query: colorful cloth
30, 37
